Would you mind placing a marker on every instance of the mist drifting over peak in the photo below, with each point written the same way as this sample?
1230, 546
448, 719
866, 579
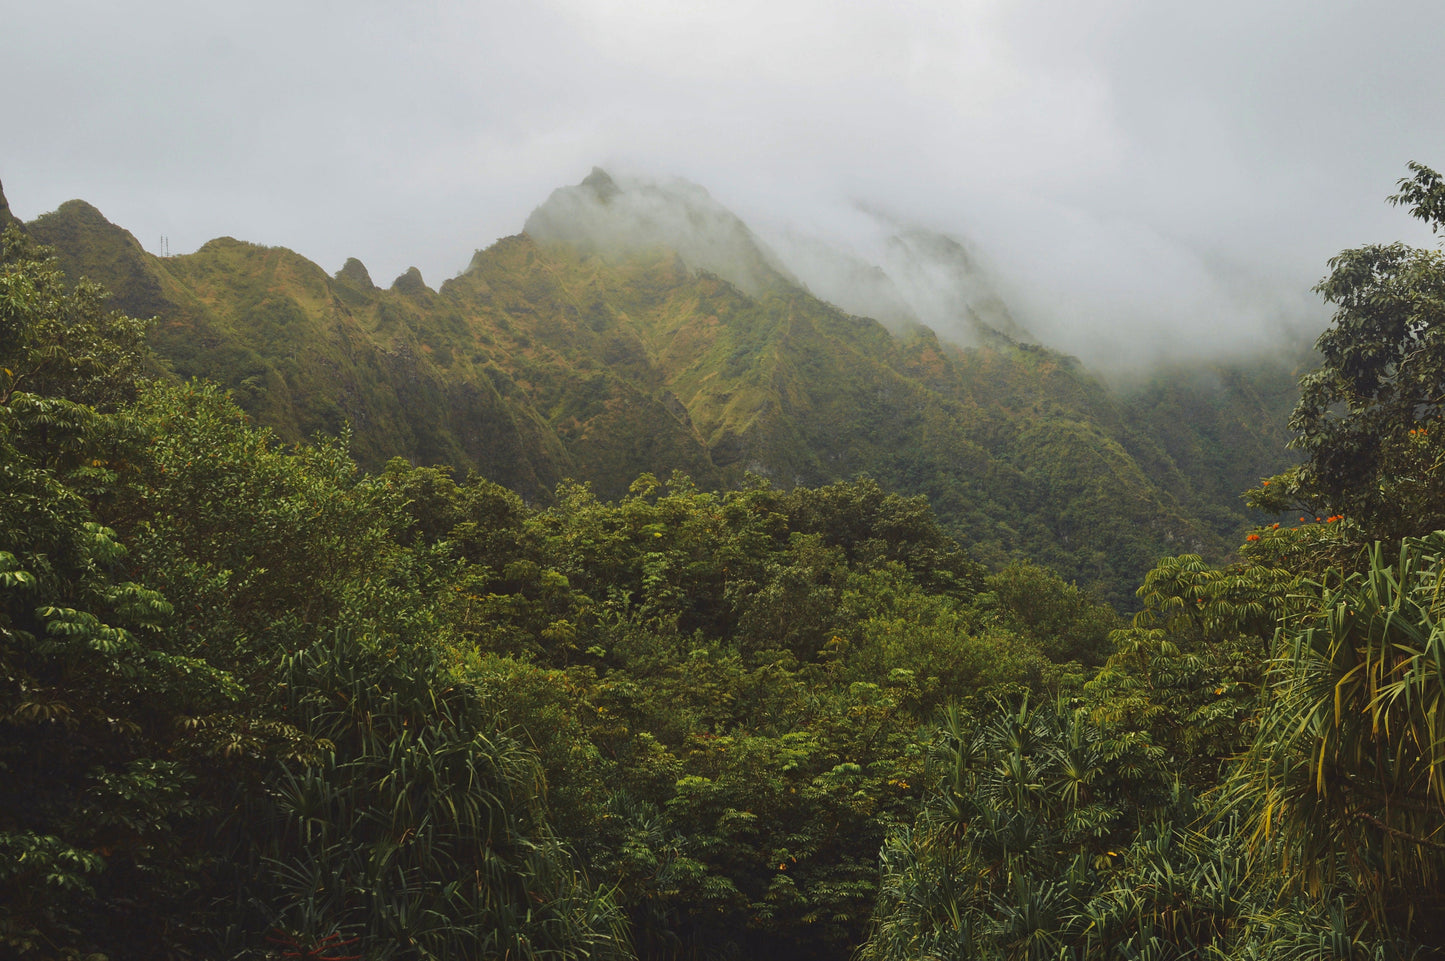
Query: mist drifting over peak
616, 216
1117, 293
1135, 179
1119, 296
909, 276
902, 276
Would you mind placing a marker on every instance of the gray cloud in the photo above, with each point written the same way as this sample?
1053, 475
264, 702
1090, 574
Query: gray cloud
1137, 177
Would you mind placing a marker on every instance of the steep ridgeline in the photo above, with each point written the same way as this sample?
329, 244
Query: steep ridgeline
6, 217
639, 328
307, 353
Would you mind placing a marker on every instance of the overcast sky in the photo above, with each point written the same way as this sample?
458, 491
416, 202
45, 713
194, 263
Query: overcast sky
1121, 163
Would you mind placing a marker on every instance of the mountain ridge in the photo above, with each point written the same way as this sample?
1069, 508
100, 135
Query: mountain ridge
547, 360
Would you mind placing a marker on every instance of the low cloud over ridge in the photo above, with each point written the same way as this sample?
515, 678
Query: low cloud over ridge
1136, 177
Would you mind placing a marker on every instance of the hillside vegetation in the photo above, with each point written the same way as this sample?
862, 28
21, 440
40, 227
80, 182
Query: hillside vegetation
570, 360
258, 702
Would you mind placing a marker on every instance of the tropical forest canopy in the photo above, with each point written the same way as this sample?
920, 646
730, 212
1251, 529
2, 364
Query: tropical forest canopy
358, 697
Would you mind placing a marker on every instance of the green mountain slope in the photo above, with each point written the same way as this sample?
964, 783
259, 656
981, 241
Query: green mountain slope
307, 353
599, 360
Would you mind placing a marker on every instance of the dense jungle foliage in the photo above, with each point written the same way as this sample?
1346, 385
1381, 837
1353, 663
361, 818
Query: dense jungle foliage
258, 702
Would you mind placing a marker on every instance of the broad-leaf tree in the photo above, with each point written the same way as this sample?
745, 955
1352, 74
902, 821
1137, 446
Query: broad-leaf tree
1371, 418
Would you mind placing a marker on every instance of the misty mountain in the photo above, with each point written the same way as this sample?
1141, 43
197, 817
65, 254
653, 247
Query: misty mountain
617, 220
914, 277
644, 328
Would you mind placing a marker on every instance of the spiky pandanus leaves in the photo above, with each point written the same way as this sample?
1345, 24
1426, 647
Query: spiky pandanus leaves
421, 832
1018, 823
1345, 783
1043, 838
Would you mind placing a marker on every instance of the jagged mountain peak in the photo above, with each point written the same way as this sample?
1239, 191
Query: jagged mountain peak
90, 246
600, 182
913, 276
409, 283
77, 216
615, 217
354, 274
